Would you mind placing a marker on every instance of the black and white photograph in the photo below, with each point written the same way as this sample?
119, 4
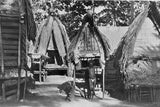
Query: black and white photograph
79, 53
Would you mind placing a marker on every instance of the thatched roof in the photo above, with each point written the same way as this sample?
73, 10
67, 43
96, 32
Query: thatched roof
114, 35
11, 8
141, 42
139, 48
93, 30
146, 37
126, 46
52, 35
144, 65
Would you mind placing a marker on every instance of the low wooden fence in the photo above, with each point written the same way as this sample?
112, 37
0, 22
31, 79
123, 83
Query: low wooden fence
143, 93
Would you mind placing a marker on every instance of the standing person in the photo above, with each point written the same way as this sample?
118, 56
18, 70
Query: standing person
90, 80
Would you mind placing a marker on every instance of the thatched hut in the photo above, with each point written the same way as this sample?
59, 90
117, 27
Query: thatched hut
88, 45
136, 60
52, 41
16, 28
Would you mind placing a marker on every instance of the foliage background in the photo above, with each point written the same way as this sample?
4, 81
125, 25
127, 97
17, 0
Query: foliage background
71, 12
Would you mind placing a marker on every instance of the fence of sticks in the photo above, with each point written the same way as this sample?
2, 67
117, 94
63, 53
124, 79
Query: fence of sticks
143, 93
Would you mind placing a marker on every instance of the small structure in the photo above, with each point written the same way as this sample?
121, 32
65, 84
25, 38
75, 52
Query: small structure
16, 28
52, 41
89, 44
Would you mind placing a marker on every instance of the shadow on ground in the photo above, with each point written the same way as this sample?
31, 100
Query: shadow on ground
36, 100
46, 95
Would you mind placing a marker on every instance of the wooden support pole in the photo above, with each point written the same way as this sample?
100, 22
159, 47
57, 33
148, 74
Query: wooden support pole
3, 92
26, 75
19, 61
74, 80
40, 75
2, 64
103, 83
25, 87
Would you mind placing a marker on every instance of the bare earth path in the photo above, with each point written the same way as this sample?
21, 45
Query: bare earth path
46, 95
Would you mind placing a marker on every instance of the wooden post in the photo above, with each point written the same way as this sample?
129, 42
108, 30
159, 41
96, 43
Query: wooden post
74, 80
140, 94
128, 94
25, 84
103, 82
2, 64
19, 60
3, 92
40, 75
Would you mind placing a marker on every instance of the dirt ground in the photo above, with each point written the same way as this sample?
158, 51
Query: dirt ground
46, 95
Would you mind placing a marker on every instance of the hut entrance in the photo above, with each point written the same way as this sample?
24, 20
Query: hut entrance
54, 57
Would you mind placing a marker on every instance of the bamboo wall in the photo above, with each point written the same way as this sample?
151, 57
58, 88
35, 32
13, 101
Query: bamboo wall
13, 56
16, 26
10, 31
